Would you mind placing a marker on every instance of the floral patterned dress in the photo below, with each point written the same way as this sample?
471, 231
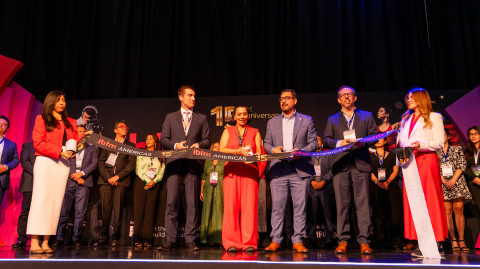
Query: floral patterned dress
456, 158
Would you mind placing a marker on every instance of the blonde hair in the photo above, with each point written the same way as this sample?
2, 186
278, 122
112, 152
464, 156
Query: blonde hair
422, 98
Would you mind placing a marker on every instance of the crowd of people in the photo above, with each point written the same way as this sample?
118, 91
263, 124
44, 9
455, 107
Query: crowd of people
304, 196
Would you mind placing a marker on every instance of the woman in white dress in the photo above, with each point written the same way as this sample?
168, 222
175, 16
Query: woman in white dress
51, 132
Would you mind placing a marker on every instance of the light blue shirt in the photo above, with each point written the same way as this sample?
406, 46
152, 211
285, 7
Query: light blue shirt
287, 130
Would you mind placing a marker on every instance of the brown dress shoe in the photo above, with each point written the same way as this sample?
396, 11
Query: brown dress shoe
342, 248
273, 247
365, 249
298, 247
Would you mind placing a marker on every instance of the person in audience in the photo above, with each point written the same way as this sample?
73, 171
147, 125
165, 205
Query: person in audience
115, 169
53, 128
455, 190
351, 167
288, 132
422, 130
472, 153
27, 159
78, 190
321, 199
150, 171
240, 185
211, 194
8, 157
385, 197
384, 114
184, 128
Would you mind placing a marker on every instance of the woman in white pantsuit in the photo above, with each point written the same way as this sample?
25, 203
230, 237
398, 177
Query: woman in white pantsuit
52, 129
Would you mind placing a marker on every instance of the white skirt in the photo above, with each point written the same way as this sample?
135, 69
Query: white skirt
50, 178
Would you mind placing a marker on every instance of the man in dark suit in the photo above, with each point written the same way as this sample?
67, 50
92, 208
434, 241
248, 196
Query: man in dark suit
321, 194
27, 159
8, 157
115, 175
183, 129
287, 132
78, 189
351, 167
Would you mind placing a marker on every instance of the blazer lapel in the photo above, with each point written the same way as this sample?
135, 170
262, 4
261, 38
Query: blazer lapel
179, 120
296, 126
342, 121
419, 123
356, 119
281, 128
4, 152
194, 118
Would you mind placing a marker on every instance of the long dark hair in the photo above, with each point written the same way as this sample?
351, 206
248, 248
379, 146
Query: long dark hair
157, 145
471, 149
47, 112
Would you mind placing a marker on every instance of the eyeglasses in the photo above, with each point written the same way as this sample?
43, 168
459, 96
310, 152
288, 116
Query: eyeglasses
125, 127
286, 98
3, 124
473, 134
346, 94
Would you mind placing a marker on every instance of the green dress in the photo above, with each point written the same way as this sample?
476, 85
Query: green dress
212, 210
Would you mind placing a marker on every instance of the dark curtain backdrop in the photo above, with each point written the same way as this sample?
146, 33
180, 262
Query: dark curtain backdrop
147, 48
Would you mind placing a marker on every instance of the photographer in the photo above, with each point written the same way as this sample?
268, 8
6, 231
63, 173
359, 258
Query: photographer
90, 119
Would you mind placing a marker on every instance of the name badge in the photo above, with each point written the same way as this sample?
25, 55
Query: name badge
349, 135
476, 171
249, 150
213, 178
318, 171
78, 164
382, 174
111, 160
447, 170
151, 172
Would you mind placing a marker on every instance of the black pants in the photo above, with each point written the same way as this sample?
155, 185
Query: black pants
23, 218
112, 198
321, 205
145, 207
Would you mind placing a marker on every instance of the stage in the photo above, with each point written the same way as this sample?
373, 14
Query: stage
129, 257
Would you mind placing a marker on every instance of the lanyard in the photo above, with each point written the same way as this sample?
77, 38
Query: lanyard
446, 155
349, 122
476, 156
240, 140
151, 161
380, 160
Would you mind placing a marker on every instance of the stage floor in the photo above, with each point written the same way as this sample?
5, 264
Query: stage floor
129, 257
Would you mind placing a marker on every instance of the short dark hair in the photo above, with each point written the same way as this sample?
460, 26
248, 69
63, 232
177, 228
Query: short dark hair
115, 126
82, 126
181, 90
294, 94
346, 87
6, 119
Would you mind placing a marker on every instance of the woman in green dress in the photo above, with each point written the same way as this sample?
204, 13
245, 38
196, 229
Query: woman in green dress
212, 198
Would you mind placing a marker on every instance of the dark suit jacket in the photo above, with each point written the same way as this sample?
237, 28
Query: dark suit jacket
27, 159
10, 159
304, 138
173, 132
327, 176
364, 125
123, 167
89, 164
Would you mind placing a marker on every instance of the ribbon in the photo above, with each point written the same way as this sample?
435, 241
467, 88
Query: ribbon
418, 207
203, 154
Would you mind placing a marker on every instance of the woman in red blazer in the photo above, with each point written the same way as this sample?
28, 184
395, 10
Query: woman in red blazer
51, 132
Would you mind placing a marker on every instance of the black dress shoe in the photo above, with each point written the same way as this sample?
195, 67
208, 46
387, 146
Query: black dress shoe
250, 249
99, 243
232, 249
167, 246
77, 243
20, 244
191, 246
115, 243
57, 243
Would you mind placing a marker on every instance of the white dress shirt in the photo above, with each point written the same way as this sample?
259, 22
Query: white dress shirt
288, 124
2, 144
184, 120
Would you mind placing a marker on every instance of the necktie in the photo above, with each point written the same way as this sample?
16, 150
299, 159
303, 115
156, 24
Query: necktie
187, 121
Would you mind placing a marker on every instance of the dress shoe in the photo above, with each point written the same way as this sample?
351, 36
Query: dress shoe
409, 246
342, 248
365, 249
20, 244
99, 243
272, 247
77, 243
298, 247
191, 246
115, 243
232, 249
57, 243
250, 249
441, 251
417, 253
167, 246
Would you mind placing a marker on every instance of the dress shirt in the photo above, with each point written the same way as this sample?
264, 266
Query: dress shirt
2, 145
347, 118
183, 111
80, 156
287, 129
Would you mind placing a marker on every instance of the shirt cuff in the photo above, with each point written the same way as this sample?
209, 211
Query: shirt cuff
83, 173
339, 143
175, 146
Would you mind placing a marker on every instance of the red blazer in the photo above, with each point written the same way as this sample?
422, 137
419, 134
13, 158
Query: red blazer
49, 144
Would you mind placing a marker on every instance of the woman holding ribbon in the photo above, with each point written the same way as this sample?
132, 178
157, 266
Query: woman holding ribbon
422, 130
150, 171
50, 134
385, 194
240, 184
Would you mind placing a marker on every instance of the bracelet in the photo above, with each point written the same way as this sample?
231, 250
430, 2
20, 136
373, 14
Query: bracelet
387, 182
